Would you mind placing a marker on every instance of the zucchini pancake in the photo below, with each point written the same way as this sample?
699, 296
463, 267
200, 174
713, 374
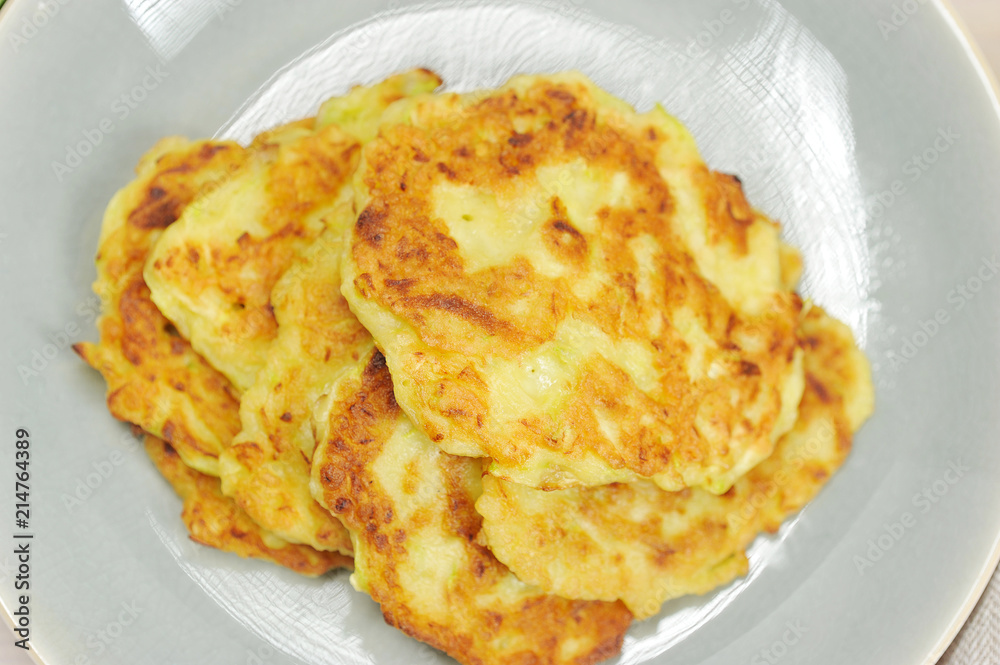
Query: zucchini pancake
212, 272
518, 357
561, 285
155, 379
410, 508
643, 545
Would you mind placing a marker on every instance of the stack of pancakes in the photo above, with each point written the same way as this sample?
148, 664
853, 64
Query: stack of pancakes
517, 356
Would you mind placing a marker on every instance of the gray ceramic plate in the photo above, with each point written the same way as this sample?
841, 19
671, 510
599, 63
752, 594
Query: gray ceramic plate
867, 127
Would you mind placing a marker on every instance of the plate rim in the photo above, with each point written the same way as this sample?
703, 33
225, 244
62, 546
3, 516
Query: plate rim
988, 78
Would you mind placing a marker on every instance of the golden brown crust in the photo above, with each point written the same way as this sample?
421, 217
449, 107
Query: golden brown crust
216, 521
212, 274
720, 365
645, 545
731, 215
266, 469
155, 379
416, 546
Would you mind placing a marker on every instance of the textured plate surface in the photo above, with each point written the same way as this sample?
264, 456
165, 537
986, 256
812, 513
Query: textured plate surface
869, 133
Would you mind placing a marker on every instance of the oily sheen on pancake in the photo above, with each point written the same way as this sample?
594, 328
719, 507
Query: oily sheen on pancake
409, 508
212, 272
643, 545
560, 284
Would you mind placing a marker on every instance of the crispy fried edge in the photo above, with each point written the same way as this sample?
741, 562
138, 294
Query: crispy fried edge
270, 434
343, 481
831, 361
216, 521
130, 325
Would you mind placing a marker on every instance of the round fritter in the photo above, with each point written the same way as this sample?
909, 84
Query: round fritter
155, 379
212, 272
410, 510
216, 521
560, 284
266, 469
643, 545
